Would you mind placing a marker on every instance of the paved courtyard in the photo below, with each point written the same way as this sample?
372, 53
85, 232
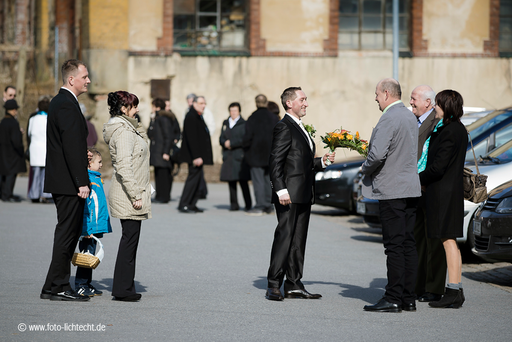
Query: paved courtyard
203, 277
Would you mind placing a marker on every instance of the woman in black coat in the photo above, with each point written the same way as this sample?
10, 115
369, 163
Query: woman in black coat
234, 169
164, 132
442, 178
12, 159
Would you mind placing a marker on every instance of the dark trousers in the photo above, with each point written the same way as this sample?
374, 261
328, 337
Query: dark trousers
124, 271
191, 193
83, 275
7, 186
70, 211
262, 189
233, 196
431, 258
289, 246
398, 217
163, 183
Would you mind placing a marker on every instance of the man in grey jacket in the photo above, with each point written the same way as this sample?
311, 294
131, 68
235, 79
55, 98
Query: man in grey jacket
391, 176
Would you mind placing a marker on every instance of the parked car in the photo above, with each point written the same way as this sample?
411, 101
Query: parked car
492, 226
333, 186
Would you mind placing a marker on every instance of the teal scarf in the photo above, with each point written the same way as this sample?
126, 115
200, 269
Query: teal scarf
422, 163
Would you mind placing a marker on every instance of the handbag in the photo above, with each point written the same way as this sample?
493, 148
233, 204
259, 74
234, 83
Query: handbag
175, 154
86, 259
474, 184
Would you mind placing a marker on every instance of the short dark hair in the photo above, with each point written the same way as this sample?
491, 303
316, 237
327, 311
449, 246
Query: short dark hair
159, 103
70, 67
43, 104
9, 87
235, 104
289, 94
94, 151
451, 102
116, 100
273, 107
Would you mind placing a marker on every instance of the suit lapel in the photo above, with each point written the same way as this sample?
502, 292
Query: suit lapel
294, 124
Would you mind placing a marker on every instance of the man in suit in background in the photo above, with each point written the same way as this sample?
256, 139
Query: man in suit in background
9, 94
431, 279
66, 178
292, 173
257, 143
196, 150
391, 176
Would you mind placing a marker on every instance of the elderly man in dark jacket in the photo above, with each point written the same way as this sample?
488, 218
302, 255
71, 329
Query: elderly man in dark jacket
234, 169
164, 132
12, 161
196, 150
257, 144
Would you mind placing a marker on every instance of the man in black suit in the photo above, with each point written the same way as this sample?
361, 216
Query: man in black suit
257, 143
292, 173
196, 150
431, 279
66, 177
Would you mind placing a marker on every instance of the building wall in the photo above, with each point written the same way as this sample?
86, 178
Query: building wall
145, 24
456, 26
295, 25
340, 90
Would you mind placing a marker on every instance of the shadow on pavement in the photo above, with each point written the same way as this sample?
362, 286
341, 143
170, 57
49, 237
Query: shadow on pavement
105, 285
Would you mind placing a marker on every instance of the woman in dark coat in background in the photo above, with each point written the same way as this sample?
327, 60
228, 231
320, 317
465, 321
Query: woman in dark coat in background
164, 132
445, 152
234, 169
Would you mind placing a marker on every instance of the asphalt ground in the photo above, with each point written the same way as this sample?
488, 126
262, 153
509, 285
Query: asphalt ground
203, 278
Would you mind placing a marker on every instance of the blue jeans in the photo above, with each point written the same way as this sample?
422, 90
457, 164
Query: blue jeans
83, 275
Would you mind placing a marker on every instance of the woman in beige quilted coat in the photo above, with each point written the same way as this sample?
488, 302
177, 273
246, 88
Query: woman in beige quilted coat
130, 191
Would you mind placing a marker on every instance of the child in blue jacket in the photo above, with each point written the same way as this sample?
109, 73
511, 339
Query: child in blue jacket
96, 222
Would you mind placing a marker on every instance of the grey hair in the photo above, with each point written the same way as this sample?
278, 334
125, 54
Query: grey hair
392, 87
191, 96
429, 93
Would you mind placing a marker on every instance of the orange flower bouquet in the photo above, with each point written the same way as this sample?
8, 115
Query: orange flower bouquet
345, 139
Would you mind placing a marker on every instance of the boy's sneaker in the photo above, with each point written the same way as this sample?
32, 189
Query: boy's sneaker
84, 291
95, 291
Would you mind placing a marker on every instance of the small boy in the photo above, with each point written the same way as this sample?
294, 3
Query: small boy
96, 222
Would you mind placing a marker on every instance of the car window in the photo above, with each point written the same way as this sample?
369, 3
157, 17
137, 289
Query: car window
485, 126
480, 150
503, 135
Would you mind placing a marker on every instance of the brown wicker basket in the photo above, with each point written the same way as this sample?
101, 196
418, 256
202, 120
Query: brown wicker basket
87, 260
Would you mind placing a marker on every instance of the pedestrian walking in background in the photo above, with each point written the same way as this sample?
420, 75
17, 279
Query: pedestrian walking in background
441, 171
92, 137
257, 144
164, 132
9, 94
196, 150
12, 159
36, 141
234, 168
130, 189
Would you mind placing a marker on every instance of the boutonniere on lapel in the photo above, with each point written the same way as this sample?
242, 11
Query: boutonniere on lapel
311, 130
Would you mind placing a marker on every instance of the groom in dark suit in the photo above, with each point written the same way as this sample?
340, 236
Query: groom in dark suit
292, 174
66, 177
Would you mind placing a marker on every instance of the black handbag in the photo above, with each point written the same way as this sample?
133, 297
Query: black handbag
474, 184
176, 154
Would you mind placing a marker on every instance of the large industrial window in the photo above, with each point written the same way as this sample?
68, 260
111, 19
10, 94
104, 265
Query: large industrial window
210, 26
506, 28
368, 25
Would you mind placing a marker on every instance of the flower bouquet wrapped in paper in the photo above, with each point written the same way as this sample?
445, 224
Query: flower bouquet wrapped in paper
345, 139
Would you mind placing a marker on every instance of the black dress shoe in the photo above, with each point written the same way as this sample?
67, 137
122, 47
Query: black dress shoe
69, 295
130, 298
234, 208
186, 210
158, 201
196, 209
274, 294
409, 306
429, 297
383, 306
301, 294
45, 294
